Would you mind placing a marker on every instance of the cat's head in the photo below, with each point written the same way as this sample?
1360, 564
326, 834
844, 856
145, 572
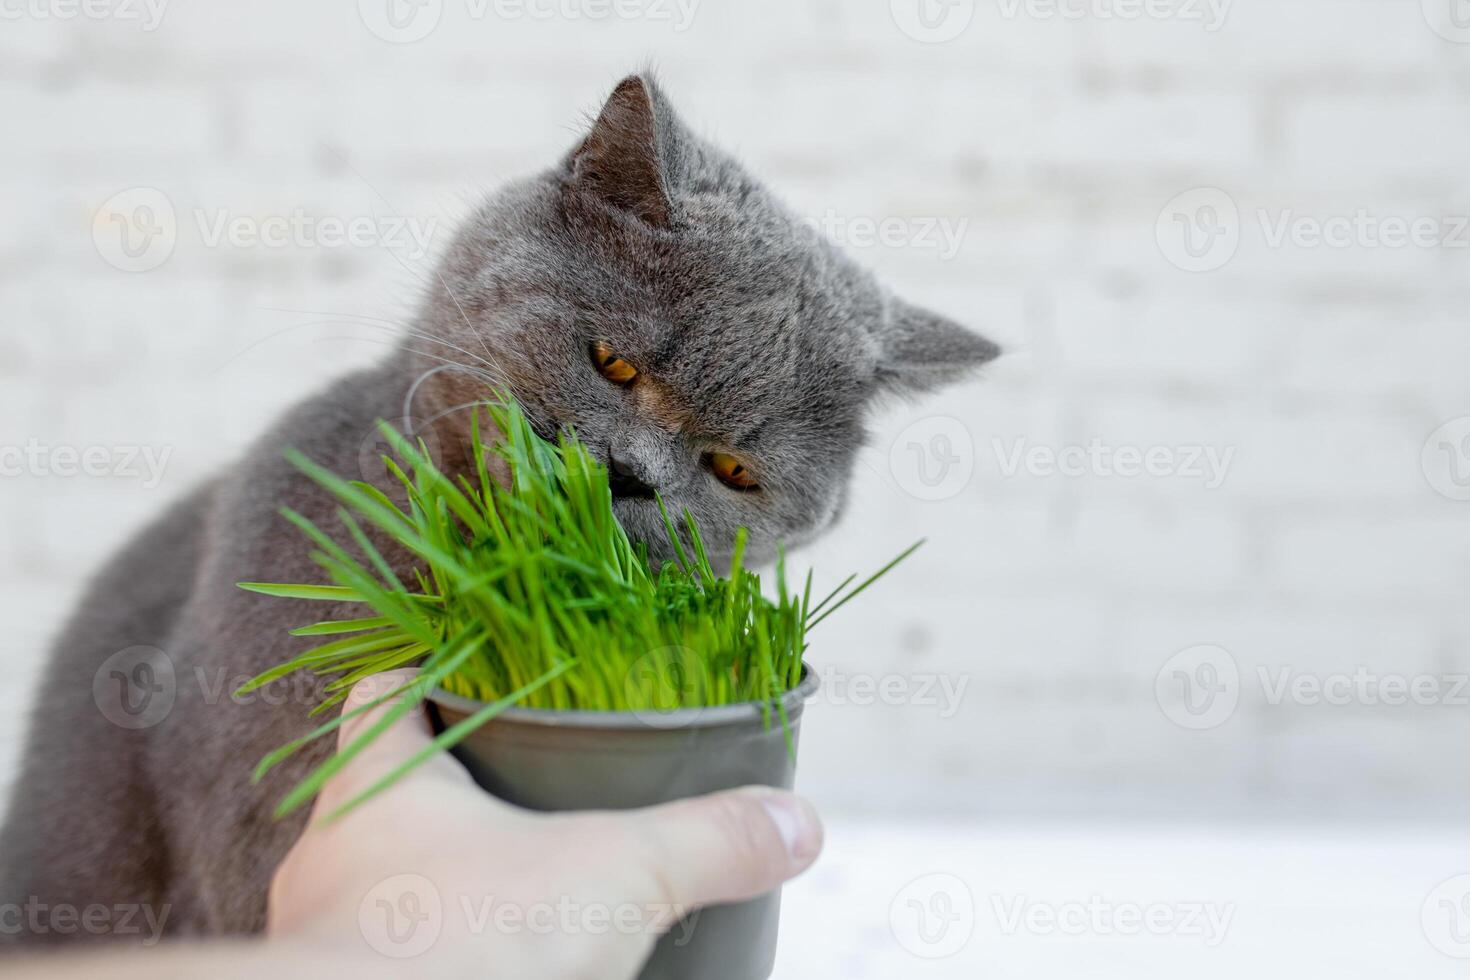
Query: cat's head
705, 343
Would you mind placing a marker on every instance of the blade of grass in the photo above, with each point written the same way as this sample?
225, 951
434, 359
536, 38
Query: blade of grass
449, 738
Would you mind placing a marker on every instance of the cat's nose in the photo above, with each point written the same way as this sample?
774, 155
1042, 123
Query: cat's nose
624, 479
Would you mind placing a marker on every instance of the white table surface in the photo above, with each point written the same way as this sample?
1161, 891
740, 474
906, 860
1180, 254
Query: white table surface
1068, 901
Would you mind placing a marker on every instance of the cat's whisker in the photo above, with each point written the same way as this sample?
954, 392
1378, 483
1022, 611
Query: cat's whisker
400, 331
865, 459
480, 373
497, 386
468, 325
450, 411
278, 333
413, 390
334, 313
489, 365
398, 325
452, 298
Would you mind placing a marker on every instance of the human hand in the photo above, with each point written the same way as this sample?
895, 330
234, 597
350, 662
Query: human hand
443, 879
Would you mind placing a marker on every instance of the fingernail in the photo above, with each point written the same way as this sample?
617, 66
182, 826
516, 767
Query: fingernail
797, 823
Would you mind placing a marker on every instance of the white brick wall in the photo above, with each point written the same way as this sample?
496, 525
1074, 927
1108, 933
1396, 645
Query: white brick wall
1050, 146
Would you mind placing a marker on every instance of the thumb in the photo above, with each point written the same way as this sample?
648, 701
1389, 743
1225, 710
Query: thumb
726, 847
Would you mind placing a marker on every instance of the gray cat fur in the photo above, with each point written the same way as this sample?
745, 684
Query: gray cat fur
751, 335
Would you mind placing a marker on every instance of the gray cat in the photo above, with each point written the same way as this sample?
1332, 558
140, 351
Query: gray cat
646, 291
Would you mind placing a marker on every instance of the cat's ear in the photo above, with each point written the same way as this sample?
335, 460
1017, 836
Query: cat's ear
620, 161
919, 350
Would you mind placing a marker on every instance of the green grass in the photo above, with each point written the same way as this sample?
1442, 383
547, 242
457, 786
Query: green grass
532, 595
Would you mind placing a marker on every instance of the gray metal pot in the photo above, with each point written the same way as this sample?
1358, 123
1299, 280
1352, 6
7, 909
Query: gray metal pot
594, 760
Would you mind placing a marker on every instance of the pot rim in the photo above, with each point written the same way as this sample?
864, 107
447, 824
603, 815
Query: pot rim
681, 718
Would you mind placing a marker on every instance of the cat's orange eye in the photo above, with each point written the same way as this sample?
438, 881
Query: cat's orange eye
611, 366
732, 472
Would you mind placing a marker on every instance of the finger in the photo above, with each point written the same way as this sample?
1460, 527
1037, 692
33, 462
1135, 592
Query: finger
728, 846
415, 725
390, 748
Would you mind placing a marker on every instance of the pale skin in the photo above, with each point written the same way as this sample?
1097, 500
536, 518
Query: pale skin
436, 878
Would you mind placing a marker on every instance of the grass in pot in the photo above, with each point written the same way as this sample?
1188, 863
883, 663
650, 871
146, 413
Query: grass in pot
564, 667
